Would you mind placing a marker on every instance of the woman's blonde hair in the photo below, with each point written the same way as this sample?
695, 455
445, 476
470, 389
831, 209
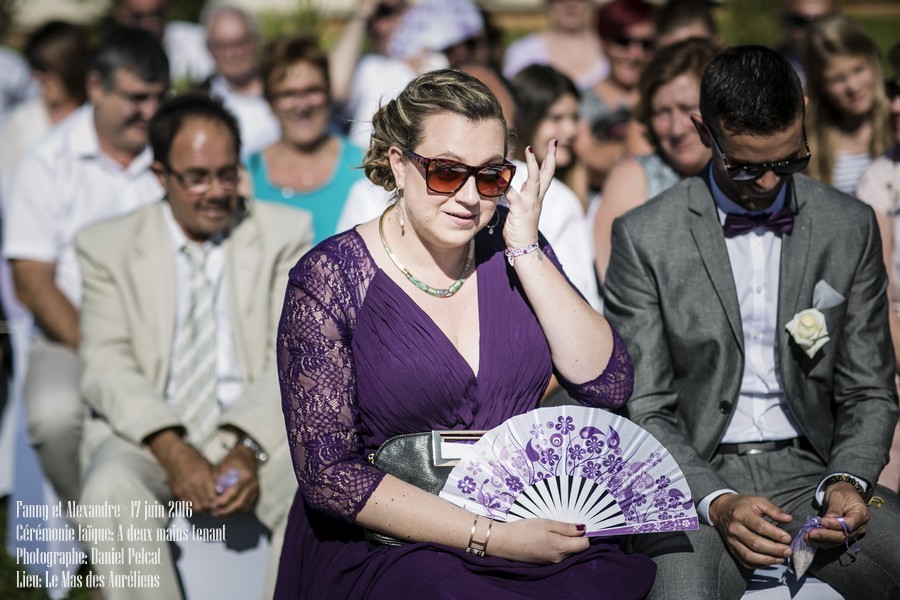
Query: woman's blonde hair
831, 37
399, 122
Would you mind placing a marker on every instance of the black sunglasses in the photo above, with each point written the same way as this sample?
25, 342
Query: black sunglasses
384, 10
753, 171
891, 88
797, 20
624, 41
443, 176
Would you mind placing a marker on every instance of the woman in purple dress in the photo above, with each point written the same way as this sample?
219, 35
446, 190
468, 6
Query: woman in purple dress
367, 350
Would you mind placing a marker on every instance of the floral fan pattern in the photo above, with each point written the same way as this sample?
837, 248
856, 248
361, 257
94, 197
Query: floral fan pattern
575, 464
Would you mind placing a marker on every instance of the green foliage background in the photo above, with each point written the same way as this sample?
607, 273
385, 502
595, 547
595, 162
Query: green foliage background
741, 21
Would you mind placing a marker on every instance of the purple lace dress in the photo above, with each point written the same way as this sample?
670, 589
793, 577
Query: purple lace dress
360, 362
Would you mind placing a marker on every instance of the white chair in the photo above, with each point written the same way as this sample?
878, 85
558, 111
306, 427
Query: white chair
28, 482
233, 568
776, 583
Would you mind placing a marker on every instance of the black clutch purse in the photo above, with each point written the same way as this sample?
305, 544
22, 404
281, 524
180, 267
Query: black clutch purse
422, 459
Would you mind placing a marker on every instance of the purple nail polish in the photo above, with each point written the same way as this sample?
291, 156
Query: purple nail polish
580, 527
555, 143
529, 150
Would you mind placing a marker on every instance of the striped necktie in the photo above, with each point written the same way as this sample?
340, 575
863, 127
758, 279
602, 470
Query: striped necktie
194, 396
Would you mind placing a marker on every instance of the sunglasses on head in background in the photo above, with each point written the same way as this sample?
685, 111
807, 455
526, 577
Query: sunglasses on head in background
443, 176
623, 41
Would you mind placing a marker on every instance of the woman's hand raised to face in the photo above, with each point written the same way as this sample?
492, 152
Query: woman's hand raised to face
525, 204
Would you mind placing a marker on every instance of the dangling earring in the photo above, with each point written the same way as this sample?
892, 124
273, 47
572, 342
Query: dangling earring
495, 223
400, 220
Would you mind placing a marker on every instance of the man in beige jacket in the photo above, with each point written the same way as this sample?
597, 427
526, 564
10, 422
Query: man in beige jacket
176, 413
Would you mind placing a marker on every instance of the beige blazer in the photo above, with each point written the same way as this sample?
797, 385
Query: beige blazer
128, 317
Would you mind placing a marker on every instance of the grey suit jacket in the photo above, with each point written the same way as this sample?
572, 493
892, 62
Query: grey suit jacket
670, 293
128, 317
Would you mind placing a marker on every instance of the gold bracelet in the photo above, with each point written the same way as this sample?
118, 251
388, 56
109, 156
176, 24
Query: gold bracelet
479, 547
469, 548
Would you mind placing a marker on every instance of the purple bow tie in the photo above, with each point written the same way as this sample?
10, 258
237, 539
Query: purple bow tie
780, 221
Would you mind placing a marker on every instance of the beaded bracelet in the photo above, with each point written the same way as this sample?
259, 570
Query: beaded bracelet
865, 494
513, 253
479, 547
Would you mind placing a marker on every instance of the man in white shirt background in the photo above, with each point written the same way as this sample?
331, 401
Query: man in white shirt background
93, 166
233, 39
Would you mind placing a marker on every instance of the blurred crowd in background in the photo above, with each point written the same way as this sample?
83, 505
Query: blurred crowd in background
614, 82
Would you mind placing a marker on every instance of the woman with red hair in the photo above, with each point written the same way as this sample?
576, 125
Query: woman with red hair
626, 29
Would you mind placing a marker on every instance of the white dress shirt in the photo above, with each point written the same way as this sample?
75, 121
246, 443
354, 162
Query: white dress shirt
63, 184
762, 412
185, 46
230, 383
259, 127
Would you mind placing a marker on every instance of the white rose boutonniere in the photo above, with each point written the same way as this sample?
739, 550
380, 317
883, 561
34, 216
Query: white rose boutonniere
808, 330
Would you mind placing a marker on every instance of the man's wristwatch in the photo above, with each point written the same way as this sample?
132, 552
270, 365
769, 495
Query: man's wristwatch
257, 450
866, 494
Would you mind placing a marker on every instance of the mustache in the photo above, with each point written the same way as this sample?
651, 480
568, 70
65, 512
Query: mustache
137, 120
222, 203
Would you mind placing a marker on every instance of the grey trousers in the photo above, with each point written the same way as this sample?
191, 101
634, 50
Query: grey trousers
697, 564
55, 413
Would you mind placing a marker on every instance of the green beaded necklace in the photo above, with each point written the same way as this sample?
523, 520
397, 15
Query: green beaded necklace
432, 291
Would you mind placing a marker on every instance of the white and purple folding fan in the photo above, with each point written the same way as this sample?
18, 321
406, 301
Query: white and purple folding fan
574, 464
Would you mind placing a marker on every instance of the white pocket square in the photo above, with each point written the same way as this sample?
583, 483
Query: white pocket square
825, 296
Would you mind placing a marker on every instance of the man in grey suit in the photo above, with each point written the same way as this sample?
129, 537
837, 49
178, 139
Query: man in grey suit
181, 302
753, 302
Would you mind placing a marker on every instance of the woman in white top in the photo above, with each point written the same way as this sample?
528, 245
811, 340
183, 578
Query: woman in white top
57, 53
879, 187
847, 114
547, 103
569, 44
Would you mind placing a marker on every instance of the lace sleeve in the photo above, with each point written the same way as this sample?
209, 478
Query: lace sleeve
613, 387
318, 387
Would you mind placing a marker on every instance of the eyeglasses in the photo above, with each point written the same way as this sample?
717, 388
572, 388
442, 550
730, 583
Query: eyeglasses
799, 20
444, 176
892, 88
240, 44
313, 95
624, 41
142, 99
753, 171
136, 16
199, 182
